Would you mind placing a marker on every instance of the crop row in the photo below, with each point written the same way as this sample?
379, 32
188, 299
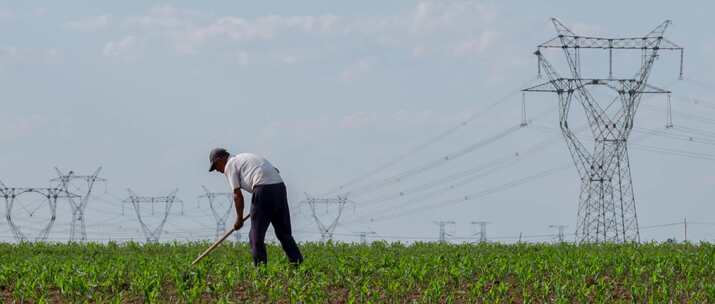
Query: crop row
352, 273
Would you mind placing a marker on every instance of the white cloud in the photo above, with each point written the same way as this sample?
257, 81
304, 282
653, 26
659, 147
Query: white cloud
164, 17
474, 45
90, 24
120, 49
438, 16
429, 28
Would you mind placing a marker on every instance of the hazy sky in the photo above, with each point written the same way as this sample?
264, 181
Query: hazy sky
328, 91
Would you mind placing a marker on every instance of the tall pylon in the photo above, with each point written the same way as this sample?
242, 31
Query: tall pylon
482, 230
443, 230
607, 208
65, 181
221, 204
336, 204
152, 235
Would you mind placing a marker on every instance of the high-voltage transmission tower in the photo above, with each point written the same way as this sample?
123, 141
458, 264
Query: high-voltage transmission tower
482, 230
607, 208
152, 235
364, 234
337, 204
65, 181
443, 229
10, 194
220, 211
561, 229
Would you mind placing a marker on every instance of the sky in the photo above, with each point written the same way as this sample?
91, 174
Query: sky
330, 91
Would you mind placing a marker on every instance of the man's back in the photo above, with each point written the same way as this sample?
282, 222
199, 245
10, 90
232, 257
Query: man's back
247, 170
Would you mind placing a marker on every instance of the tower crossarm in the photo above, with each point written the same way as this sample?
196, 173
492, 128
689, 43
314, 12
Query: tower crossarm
621, 86
586, 42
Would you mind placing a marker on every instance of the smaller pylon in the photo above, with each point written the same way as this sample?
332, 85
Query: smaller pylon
153, 235
337, 204
220, 211
482, 230
561, 229
443, 230
364, 234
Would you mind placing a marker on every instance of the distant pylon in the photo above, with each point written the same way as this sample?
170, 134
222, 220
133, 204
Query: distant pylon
152, 235
78, 219
364, 234
443, 229
337, 204
561, 229
10, 194
482, 230
221, 212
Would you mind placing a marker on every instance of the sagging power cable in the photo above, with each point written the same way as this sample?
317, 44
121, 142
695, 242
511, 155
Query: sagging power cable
420, 147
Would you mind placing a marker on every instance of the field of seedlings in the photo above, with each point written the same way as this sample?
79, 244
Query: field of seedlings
351, 273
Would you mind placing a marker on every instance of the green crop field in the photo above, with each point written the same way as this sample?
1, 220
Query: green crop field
348, 273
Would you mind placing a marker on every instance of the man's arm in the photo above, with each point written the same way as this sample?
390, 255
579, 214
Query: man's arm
238, 203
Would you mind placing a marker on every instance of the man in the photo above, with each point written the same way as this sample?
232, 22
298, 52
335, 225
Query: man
269, 203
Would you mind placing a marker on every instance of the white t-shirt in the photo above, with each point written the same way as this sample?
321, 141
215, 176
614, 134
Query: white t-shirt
246, 170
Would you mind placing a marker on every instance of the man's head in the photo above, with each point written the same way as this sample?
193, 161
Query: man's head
218, 158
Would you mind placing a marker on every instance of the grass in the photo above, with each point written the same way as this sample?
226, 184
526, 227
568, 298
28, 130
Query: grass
350, 273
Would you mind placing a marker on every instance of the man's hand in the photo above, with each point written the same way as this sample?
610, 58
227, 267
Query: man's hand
238, 224
238, 203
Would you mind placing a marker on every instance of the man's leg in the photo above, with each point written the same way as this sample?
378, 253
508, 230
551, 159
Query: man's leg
260, 219
281, 225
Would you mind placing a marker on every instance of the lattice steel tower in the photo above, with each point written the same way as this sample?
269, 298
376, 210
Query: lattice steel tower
607, 208
482, 230
78, 205
220, 211
10, 194
443, 229
337, 204
152, 235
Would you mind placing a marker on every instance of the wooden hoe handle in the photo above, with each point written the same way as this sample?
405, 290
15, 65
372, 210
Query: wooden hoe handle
216, 243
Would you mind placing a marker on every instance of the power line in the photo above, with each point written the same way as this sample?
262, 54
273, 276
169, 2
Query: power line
429, 142
469, 197
402, 176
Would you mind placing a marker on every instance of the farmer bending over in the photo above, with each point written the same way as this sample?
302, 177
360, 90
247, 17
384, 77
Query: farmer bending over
269, 203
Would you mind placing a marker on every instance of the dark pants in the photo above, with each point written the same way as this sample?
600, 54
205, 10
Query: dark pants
269, 205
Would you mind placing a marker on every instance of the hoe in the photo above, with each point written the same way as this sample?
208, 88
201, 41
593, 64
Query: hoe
215, 244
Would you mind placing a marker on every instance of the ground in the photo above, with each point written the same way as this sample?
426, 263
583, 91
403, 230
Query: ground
353, 273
